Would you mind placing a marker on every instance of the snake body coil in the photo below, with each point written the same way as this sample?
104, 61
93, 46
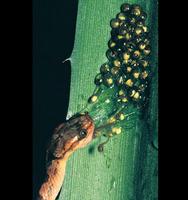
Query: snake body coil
76, 133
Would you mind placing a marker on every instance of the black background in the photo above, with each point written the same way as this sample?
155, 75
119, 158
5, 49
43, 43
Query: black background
20, 53
53, 38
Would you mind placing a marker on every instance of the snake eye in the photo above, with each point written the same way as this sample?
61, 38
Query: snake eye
83, 133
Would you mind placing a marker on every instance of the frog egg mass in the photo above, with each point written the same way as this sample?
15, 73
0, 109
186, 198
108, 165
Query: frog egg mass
124, 77
127, 67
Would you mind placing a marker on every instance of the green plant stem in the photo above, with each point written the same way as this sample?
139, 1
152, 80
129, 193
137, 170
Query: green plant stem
127, 169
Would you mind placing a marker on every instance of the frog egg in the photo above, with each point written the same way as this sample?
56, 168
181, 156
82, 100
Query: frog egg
100, 148
105, 68
145, 28
117, 63
140, 24
128, 36
129, 83
122, 99
114, 32
125, 7
98, 79
122, 92
120, 116
134, 63
93, 99
122, 31
115, 46
129, 69
136, 74
136, 54
123, 45
112, 44
138, 31
116, 130
143, 16
132, 92
115, 71
147, 50
142, 46
125, 25
136, 10
111, 55
138, 39
110, 134
111, 120
146, 41
137, 83
142, 87
144, 74
119, 80
108, 80
121, 16
126, 56
115, 23
132, 21
120, 37
131, 46
136, 96
144, 63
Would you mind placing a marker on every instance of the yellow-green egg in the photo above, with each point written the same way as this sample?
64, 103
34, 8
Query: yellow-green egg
114, 23
145, 28
129, 83
116, 130
138, 31
126, 56
136, 54
144, 63
128, 36
136, 95
120, 37
129, 69
142, 46
147, 50
114, 70
119, 80
117, 63
124, 99
136, 74
125, 7
136, 10
121, 16
93, 99
144, 74
132, 93
109, 81
111, 44
98, 79
111, 120
105, 68
121, 117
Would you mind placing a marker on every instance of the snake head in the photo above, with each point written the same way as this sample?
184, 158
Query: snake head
74, 134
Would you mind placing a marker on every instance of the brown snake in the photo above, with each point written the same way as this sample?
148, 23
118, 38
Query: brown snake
74, 134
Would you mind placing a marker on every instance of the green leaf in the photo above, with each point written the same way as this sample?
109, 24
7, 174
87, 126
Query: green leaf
128, 167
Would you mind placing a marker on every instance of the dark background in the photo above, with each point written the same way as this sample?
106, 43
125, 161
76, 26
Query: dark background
53, 38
